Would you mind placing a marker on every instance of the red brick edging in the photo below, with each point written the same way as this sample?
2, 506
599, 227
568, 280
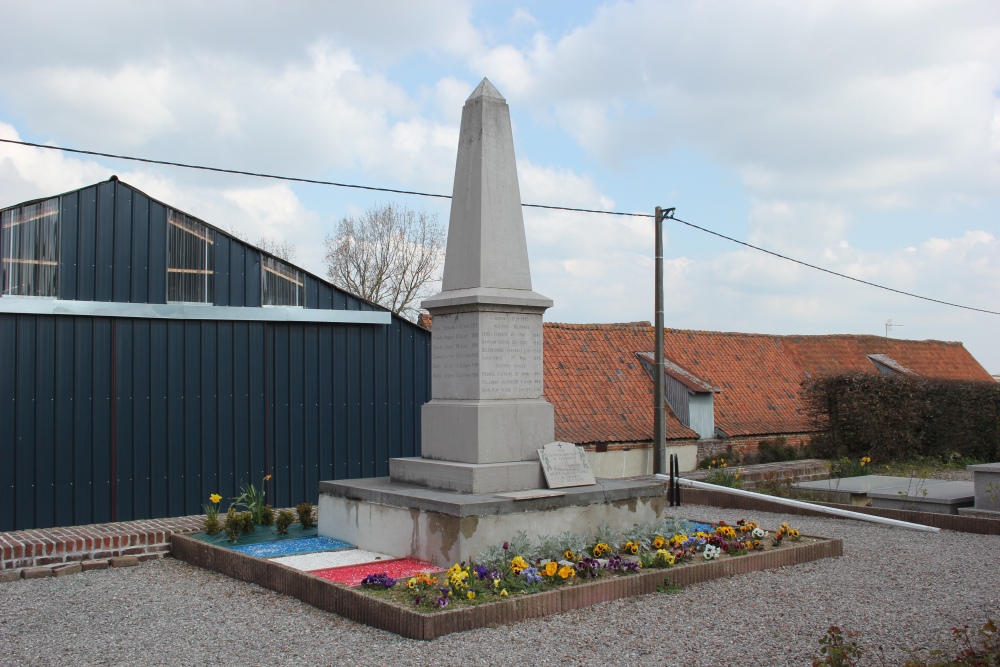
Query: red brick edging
357, 606
32, 550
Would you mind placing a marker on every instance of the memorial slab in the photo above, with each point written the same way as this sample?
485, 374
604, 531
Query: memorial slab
851, 490
986, 478
564, 465
938, 496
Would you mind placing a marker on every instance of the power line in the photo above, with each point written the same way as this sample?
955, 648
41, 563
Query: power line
372, 188
833, 273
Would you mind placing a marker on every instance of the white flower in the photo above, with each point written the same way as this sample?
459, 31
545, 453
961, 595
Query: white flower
711, 552
759, 532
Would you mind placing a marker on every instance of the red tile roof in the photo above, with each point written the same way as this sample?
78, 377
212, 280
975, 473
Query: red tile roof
827, 355
601, 393
598, 388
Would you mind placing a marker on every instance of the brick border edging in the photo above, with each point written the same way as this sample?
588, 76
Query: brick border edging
956, 522
357, 606
51, 548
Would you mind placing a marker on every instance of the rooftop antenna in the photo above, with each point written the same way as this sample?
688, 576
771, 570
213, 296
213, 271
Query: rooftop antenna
889, 326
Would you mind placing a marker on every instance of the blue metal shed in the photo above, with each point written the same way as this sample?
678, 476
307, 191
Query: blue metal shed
117, 404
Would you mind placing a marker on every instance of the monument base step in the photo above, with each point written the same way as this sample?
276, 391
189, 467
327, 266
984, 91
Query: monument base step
445, 527
467, 477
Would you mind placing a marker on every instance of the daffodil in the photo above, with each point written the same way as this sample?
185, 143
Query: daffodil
215, 498
503, 593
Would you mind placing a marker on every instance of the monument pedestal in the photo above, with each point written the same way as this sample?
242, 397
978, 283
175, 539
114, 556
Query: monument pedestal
445, 527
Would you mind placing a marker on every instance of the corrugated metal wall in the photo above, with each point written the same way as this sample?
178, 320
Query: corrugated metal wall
105, 419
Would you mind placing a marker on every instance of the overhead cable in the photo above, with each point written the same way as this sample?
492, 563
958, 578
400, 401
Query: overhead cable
372, 188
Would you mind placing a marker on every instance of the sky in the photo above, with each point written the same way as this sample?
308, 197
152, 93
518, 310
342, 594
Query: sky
863, 137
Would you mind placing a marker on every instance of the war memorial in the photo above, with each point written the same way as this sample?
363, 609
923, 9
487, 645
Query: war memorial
488, 429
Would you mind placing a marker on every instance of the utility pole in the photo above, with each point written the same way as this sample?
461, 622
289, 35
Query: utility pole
659, 409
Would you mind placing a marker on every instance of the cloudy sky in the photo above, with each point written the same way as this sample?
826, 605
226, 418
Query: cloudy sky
860, 136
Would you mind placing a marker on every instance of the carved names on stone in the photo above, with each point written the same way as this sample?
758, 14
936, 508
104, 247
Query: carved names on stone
487, 355
565, 464
510, 361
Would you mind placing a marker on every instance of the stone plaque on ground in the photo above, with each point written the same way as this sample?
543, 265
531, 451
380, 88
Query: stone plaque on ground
565, 464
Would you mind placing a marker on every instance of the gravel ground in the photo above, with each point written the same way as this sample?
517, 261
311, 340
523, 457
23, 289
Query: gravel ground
898, 588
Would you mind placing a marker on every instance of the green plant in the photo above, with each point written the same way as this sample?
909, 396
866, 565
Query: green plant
836, 650
305, 512
252, 500
267, 516
846, 467
284, 520
233, 525
725, 477
212, 525
979, 648
776, 451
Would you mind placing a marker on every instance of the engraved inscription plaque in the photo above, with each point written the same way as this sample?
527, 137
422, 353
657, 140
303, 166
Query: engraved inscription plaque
565, 464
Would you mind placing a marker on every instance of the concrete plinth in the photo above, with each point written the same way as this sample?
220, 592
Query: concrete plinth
446, 527
986, 478
467, 477
486, 431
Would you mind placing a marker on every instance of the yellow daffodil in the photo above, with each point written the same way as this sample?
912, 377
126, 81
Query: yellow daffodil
503, 593
215, 498
267, 478
496, 583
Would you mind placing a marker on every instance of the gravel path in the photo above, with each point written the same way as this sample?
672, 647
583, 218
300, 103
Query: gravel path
900, 588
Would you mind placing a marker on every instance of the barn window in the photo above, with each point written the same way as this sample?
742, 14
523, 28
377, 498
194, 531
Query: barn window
30, 239
190, 260
281, 285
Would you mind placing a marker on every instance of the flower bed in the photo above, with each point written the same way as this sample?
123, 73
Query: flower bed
521, 568
378, 608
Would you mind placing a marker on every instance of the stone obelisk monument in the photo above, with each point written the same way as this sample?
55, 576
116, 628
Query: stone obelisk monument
479, 479
487, 418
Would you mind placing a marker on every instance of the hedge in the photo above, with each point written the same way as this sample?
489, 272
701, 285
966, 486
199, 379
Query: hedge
893, 418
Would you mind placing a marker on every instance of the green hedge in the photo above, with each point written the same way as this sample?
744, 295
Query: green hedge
893, 418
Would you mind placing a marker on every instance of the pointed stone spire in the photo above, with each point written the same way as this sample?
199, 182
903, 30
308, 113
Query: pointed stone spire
487, 251
486, 89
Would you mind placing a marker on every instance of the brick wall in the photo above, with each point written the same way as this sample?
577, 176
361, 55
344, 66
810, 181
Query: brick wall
747, 444
52, 547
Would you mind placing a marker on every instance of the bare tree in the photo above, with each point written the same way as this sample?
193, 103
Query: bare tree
389, 254
285, 250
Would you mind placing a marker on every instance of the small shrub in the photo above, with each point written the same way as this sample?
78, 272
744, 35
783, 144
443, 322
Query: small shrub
836, 650
212, 524
846, 467
305, 512
246, 521
776, 451
267, 516
284, 520
233, 524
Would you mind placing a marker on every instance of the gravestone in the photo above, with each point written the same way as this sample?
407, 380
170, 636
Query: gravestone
565, 464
